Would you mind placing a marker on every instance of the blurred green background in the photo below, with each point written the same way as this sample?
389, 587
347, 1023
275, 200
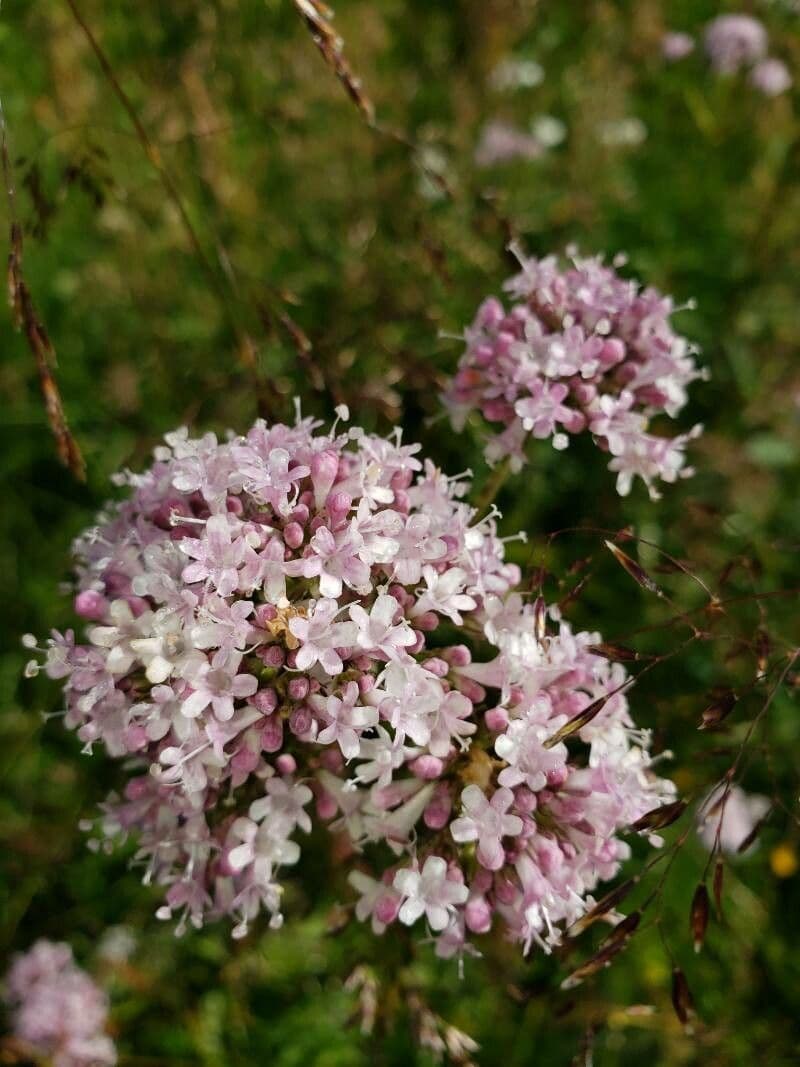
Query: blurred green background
335, 261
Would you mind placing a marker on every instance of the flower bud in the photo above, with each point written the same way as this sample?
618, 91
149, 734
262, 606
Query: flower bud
293, 534
286, 763
271, 655
299, 514
478, 915
427, 767
91, 605
436, 665
324, 468
339, 505
386, 908
437, 813
457, 655
326, 805
301, 721
265, 700
298, 688
265, 613
496, 719
272, 734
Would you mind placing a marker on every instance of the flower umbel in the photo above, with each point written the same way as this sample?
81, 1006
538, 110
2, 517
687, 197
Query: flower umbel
56, 1009
581, 349
298, 617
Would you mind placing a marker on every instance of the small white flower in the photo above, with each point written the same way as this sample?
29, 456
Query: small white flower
429, 892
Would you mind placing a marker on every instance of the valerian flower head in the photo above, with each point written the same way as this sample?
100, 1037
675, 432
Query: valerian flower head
676, 45
299, 621
737, 43
771, 77
734, 41
56, 1010
581, 349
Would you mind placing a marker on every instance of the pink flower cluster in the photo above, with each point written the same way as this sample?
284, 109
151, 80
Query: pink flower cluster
296, 616
734, 43
580, 349
56, 1009
502, 143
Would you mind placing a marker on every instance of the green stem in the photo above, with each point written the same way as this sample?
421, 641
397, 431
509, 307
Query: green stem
494, 483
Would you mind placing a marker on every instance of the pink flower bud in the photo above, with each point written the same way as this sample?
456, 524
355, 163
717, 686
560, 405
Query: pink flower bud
478, 915
427, 767
401, 480
557, 776
482, 881
272, 734
419, 643
437, 813
490, 313
326, 805
286, 763
339, 505
428, 621
332, 760
271, 655
265, 700
386, 908
245, 760
505, 891
163, 516
458, 655
265, 613
324, 468
298, 688
437, 666
484, 356
365, 683
137, 788
525, 801
474, 692
293, 534
403, 598
402, 501
301, 720
496, 719
91, 605
138, 605
136, 738
299, 514
613, 351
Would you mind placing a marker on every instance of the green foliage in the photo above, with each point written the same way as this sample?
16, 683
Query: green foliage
312, 225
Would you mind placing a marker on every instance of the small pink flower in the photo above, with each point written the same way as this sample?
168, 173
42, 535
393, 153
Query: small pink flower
429, 892
487, 822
